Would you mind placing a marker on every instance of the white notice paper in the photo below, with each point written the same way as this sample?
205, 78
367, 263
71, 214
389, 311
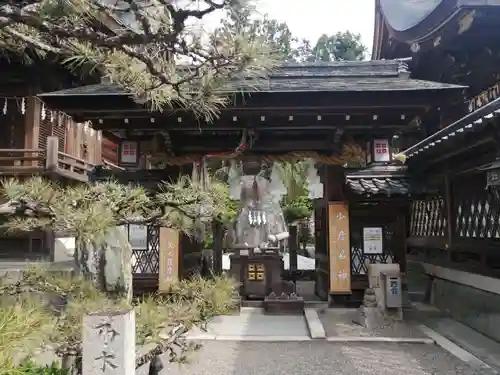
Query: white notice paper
372, 241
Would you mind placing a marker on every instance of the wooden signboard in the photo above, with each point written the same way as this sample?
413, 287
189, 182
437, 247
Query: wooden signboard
169, 258
339, 248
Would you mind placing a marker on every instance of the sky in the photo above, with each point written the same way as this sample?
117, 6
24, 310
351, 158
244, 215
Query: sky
310, 19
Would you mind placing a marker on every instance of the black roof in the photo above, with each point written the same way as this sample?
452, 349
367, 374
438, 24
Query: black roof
383, 75
472, 122
390, 180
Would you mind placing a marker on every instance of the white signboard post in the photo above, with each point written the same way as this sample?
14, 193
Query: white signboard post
138, 236
381, 150
372, 240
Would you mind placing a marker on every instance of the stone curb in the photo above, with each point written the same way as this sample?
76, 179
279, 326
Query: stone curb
453, 348
316, 329
209, 337
398, 340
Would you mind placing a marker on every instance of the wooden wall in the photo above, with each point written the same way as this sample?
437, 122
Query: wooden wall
26, 124
29, 130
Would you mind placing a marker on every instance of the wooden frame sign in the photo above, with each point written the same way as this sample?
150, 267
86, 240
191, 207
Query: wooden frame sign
129, 153
169, 257
339, 248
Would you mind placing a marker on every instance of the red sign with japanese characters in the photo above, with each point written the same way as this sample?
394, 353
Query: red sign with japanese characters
129, 152
339, 247
381, 150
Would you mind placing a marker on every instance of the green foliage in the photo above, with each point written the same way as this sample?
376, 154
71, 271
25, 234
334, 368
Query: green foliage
26, 324
210, 296
298, 209
23, 328
138, 46
278, 36
31, 368
340, 46
88, 211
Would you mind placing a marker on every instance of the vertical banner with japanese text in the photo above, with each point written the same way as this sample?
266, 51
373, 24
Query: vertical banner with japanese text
339, 247
169, 257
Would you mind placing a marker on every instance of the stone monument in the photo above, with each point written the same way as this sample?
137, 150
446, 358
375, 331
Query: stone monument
109, 343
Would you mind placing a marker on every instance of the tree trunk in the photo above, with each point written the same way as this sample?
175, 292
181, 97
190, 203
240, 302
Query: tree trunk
108, 264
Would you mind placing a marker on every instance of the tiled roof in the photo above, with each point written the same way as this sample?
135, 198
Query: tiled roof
383, 180
378, 186
384, 75
472, 122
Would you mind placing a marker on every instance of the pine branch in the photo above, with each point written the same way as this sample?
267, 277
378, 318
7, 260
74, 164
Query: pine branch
142, 54
88, 211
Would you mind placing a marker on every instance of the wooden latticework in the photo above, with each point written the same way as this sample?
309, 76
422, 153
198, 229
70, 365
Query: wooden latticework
465, 229
360, 260
147, 261
428, 218
477, 214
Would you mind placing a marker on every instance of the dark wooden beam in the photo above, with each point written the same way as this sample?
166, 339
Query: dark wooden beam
86, 107
264, 122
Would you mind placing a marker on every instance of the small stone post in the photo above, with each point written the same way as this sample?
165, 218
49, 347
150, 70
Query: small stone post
52, 154
109, 343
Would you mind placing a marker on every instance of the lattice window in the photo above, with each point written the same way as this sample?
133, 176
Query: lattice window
428, 218
148, 261
477, 217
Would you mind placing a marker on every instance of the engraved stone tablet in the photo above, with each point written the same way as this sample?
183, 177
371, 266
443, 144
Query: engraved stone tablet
109, 343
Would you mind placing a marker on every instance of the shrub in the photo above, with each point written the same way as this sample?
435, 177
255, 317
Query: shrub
31, 368
23, 328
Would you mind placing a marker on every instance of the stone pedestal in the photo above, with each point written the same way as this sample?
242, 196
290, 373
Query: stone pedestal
109, 343
284, 304
257, 273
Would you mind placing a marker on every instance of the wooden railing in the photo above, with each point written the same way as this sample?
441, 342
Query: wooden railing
25, 162
21, 161
112, 165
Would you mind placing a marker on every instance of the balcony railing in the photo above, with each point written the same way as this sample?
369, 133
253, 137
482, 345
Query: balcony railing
50, 161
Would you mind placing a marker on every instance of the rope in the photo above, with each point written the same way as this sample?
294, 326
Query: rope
350, 152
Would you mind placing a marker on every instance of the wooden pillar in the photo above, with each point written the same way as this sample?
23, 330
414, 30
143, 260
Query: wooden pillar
217, 233
339, 251
293, 247
169, 258
52, 154
98, 148
32, 125
333, 185
51, 166
399, 238
450, 217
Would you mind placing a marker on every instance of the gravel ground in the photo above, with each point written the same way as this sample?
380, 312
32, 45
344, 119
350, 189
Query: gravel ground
339, 322
318, 358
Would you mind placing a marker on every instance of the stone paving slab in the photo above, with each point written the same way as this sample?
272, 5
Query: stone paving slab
318, 358
253, 322
339, 323
484, 348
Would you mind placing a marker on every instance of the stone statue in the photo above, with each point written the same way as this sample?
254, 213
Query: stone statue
260, 223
